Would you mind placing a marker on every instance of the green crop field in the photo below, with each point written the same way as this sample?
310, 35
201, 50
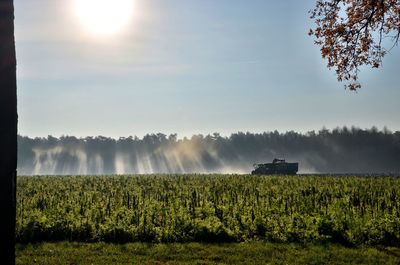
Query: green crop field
352, 211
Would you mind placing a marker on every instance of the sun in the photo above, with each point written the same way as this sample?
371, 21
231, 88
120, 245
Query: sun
104, 17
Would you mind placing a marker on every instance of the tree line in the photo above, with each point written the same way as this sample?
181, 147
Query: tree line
341, 150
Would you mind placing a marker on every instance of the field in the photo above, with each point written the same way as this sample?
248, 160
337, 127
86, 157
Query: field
350, 211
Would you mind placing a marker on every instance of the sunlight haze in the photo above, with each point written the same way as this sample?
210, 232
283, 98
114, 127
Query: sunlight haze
104, 17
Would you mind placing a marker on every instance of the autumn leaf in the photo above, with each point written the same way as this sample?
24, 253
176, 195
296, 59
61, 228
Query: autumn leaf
351, 32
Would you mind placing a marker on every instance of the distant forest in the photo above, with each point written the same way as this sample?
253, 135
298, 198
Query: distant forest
342, 150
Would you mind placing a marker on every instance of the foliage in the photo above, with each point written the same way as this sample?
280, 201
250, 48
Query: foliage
209, 208
352, 33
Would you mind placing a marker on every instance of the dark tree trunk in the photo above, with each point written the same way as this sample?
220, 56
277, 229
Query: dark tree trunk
8, 132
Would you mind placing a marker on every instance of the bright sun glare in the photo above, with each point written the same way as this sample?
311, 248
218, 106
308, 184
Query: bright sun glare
104, 17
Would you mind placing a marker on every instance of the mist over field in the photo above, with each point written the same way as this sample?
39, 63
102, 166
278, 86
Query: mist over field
341, 150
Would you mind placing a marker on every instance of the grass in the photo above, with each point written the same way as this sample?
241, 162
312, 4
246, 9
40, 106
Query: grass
199, 253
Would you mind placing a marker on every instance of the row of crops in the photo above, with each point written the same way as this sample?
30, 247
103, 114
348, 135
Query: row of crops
213, 208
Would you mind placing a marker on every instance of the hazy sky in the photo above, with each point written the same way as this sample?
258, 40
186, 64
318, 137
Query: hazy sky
187, 67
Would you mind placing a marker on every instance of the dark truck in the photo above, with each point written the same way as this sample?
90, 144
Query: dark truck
278, 166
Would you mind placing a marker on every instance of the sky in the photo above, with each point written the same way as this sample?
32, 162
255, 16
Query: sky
187, 67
